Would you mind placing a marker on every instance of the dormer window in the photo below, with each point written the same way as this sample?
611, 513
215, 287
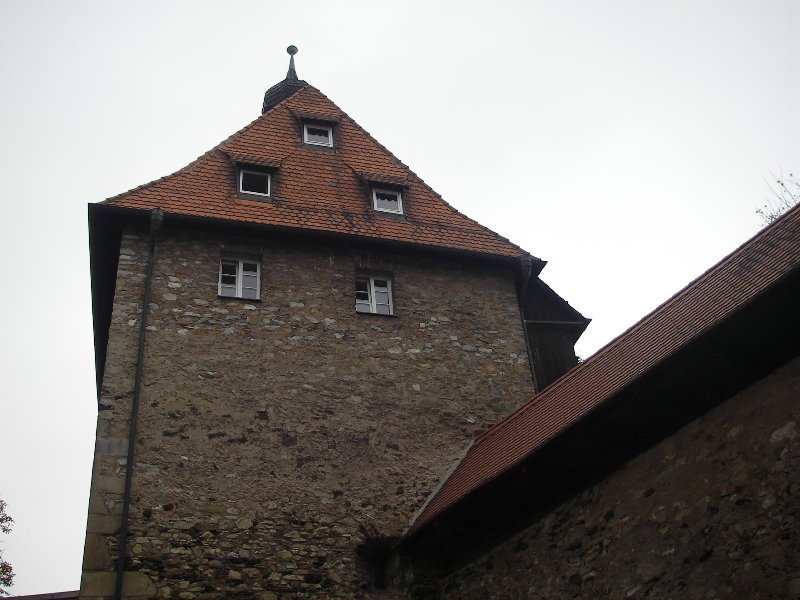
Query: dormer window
388, 201
318, 135
254, 182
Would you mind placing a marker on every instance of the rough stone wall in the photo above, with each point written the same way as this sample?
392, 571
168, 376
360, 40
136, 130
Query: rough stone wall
274, 436
712, 512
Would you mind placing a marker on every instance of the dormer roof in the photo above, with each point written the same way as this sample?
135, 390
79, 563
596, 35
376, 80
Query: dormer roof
323, 190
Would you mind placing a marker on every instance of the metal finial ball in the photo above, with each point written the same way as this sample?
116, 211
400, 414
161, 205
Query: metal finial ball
292, 50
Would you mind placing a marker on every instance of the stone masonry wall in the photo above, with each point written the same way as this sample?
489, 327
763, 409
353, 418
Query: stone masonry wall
712, 512
276, 435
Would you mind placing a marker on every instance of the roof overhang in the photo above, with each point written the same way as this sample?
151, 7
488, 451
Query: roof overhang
241, 159
100, 213
377, 178
321, 117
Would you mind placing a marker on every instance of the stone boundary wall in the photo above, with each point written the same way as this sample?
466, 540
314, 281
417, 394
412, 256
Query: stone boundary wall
712, 512
276, 436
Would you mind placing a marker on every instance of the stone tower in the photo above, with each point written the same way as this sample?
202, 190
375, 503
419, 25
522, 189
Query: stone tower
295, 338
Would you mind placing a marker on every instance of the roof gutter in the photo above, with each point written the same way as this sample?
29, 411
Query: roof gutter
576, 324
537, 264
156, 219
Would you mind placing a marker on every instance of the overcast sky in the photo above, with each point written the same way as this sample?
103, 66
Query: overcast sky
627, 143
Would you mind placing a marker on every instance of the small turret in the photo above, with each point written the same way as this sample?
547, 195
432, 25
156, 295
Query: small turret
283, 89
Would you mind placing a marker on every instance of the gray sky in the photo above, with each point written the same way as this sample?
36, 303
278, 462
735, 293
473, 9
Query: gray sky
627, 143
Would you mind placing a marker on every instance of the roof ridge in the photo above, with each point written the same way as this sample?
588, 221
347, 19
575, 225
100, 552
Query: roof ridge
417, 177
200, 159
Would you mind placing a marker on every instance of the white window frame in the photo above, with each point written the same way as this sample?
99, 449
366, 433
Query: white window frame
399, 194
239, 289
371, 304
306, 139
243, 170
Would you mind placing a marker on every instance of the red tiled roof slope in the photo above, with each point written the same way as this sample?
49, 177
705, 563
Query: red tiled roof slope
315, 189
712, 297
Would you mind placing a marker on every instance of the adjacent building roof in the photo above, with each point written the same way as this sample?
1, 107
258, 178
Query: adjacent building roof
324, 190
772, 256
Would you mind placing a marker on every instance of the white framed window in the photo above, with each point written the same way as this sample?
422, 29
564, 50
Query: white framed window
318, 135
374, 295
239, 278
389, 201
255, 182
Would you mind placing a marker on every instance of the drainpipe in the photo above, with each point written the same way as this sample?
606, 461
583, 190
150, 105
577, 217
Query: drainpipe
156, 219
526, 266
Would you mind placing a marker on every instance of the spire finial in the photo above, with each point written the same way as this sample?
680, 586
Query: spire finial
291, 73
285, 88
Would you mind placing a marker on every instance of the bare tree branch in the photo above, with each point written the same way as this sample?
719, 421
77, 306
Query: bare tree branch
784, 194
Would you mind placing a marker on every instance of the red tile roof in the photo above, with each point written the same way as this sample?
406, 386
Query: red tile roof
315, 188
717, 294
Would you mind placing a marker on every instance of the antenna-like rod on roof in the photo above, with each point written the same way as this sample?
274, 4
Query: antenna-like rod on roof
291, 73
285, 88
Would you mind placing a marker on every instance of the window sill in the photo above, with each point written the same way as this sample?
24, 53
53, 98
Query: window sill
238, 299
258, 197
371, 314
389, 215
332, 149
